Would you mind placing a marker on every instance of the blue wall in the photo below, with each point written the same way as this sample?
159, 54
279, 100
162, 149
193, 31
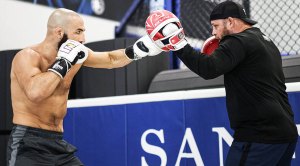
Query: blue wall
158, 132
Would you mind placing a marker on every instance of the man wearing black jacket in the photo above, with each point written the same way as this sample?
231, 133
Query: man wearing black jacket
257, 103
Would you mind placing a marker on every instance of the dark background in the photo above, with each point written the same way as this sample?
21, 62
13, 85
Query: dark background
114, 9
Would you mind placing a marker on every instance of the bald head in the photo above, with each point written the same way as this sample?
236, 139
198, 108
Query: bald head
61, 18
64, 24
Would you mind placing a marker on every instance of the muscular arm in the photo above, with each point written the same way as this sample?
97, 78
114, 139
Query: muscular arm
36, 84
109, 60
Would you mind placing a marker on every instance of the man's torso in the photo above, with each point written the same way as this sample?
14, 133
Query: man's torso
47, 114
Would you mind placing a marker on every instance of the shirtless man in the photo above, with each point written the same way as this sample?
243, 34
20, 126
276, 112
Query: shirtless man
41, 76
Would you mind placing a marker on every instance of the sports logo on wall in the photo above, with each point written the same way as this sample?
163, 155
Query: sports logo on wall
98, 6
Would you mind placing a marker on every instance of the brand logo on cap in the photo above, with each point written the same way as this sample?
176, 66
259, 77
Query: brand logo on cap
244, 12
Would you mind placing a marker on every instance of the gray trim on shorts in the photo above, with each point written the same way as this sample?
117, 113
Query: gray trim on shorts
17, 136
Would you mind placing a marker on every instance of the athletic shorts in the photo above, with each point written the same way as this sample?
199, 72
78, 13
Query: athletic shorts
29, 146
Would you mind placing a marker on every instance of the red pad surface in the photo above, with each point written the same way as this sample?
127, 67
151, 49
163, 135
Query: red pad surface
210, 45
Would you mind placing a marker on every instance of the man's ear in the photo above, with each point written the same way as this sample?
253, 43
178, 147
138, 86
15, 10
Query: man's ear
230, 21
59, 32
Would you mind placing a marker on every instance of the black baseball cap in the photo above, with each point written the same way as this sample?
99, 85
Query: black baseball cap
230, 9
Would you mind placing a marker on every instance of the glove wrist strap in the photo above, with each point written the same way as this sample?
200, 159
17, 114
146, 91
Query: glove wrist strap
129, 51
60, 67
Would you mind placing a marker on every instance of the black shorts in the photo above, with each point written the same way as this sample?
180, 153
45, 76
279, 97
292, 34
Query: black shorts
259, 154
29, 146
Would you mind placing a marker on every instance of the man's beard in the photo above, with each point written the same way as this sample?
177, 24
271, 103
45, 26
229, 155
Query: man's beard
64, 39
225, 30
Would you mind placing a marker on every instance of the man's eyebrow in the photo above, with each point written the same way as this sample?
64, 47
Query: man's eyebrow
80, 29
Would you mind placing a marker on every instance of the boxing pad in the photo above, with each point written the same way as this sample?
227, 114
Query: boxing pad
210, 45
165, 30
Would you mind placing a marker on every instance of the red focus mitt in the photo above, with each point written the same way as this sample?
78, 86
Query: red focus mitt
210, 45
165, 30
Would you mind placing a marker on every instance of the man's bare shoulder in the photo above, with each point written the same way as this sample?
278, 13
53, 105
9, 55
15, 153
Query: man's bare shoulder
25, 60
27, 54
